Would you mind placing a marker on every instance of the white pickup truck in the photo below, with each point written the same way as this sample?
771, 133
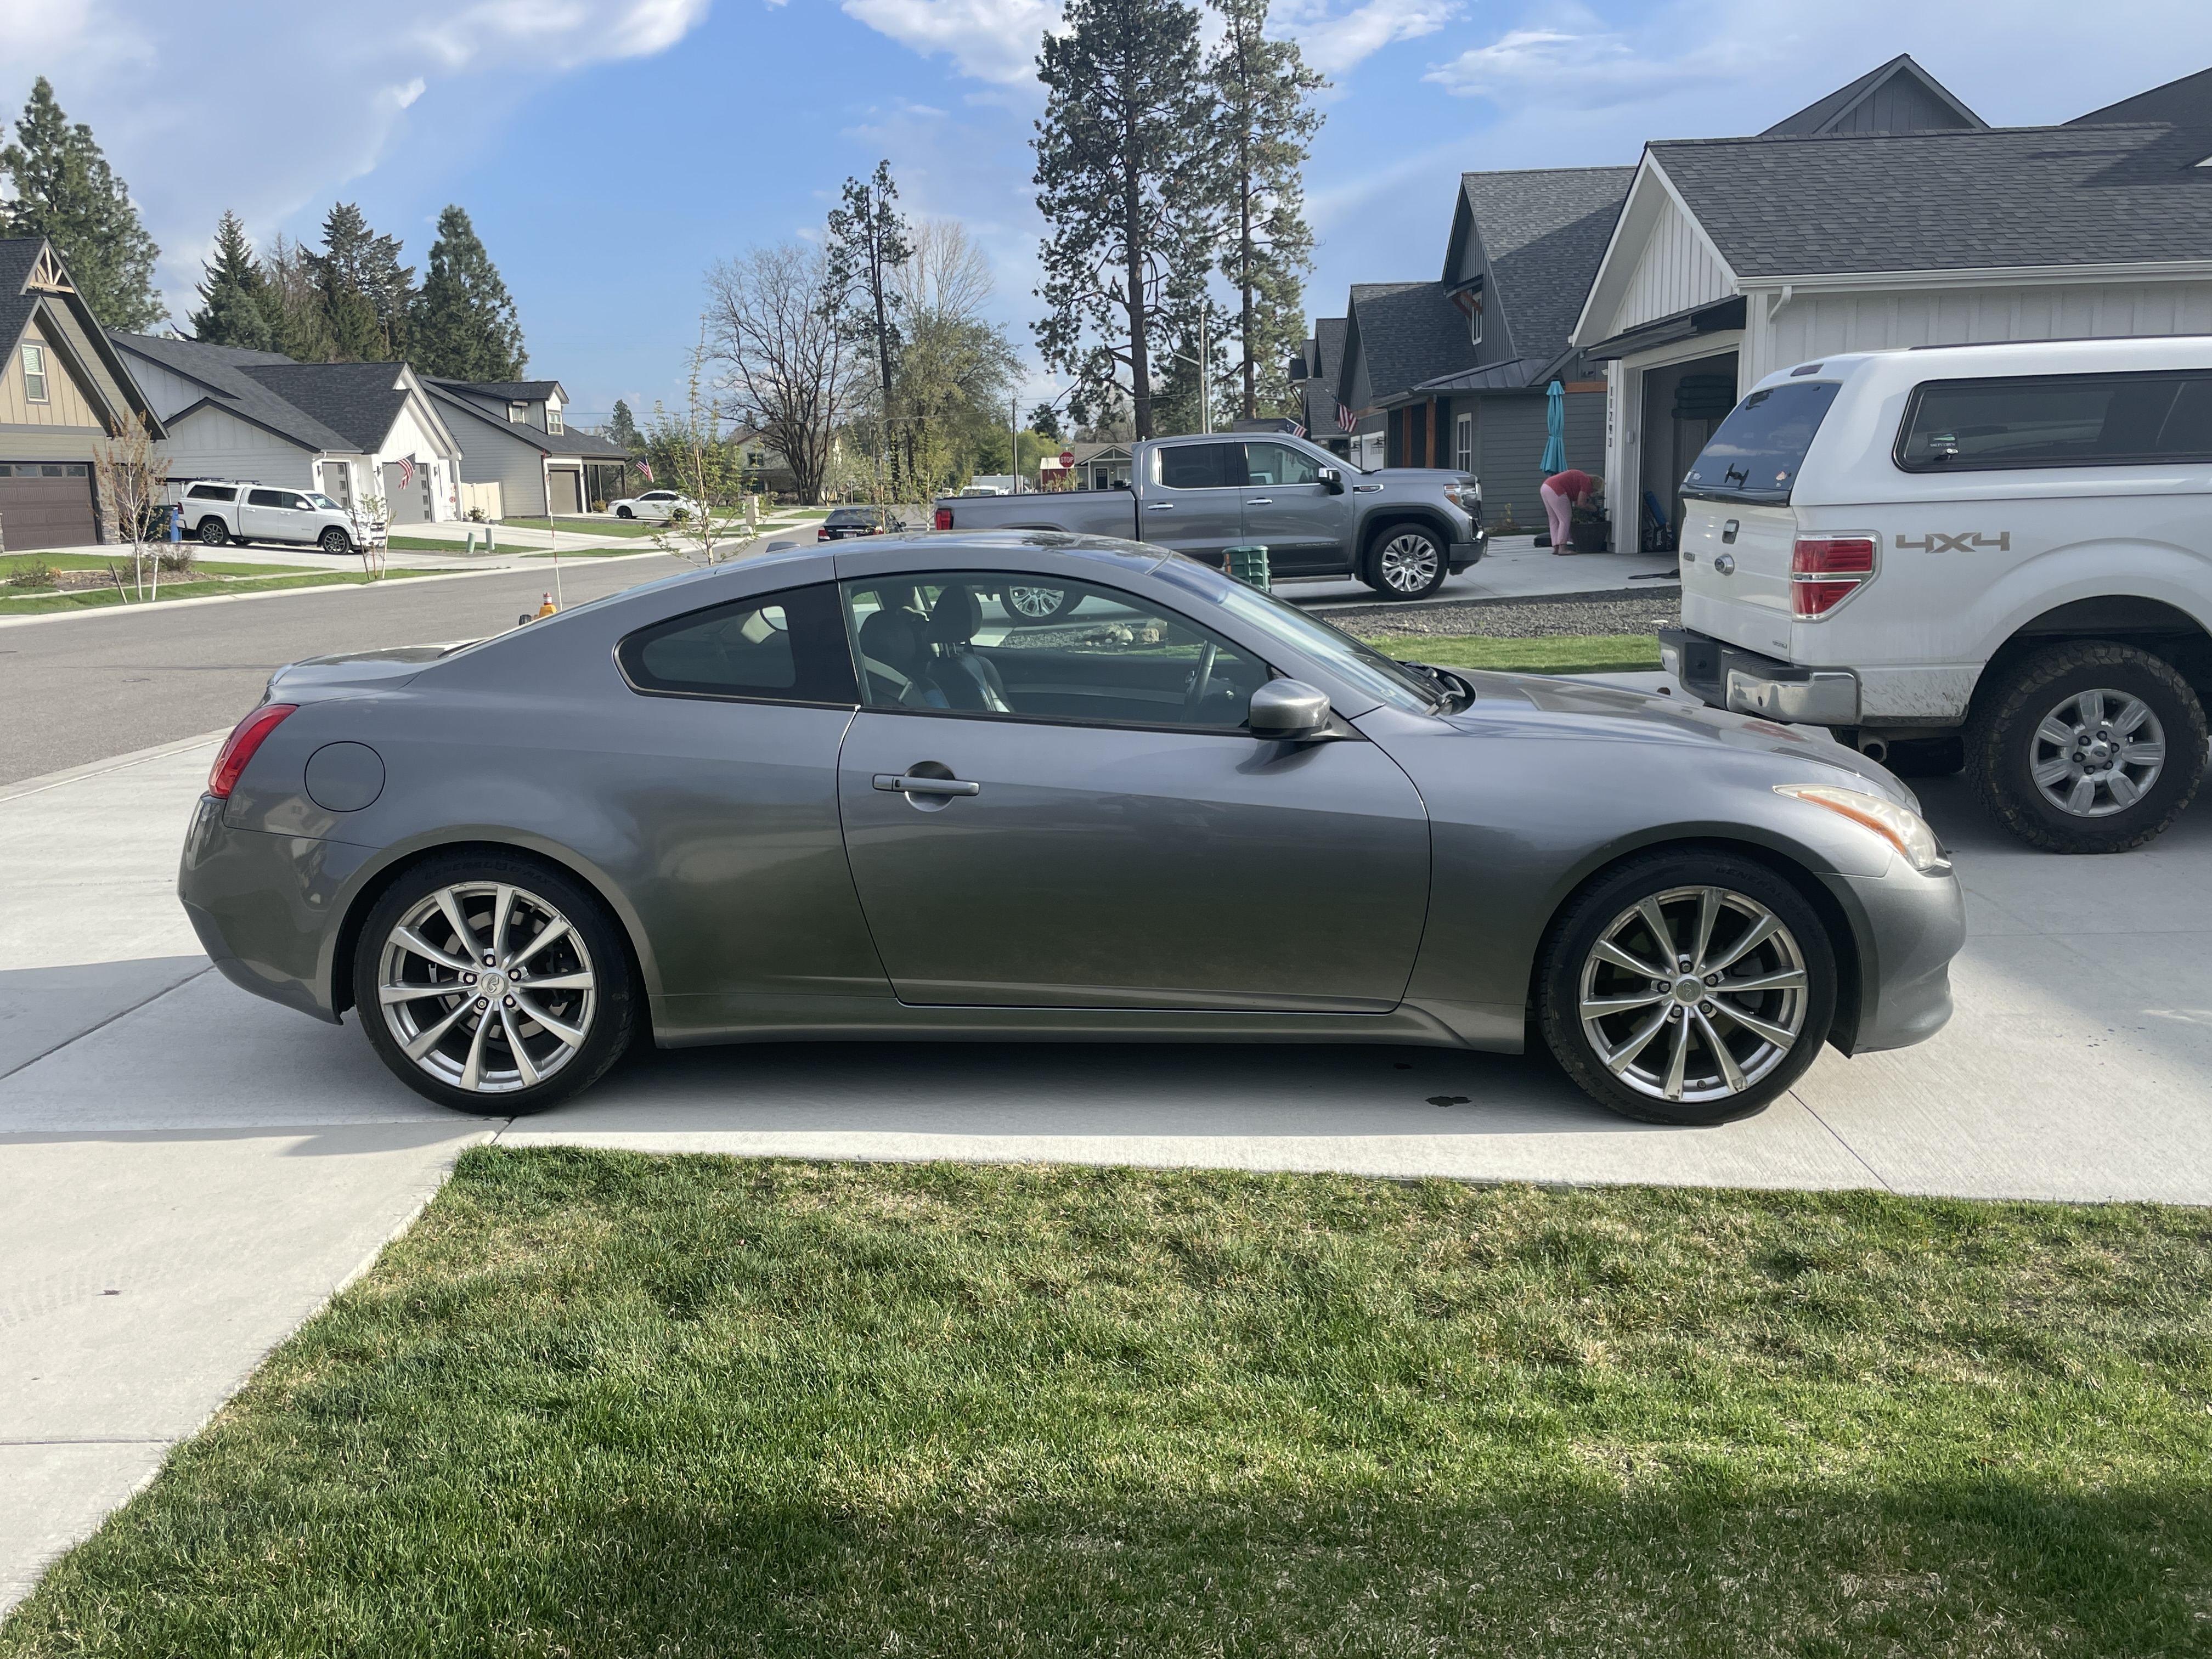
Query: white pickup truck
218, 511
2006, 547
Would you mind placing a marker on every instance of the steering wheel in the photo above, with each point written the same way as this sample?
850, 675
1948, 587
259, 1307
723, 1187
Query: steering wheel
1201, 679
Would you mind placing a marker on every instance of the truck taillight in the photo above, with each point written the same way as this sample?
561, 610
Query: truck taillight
944, 520
1824, 570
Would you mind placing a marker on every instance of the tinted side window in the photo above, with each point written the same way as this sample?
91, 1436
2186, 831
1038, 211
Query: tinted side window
1757, 452
213, 493
2071, 420
264, 498
778, 647
1202, 466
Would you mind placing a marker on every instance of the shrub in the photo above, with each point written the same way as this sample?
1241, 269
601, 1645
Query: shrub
178, 558
34, 572
598, 506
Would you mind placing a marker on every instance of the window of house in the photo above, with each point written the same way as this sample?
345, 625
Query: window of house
34, 373
1463, 442
2072, 420
517, 413
553, 418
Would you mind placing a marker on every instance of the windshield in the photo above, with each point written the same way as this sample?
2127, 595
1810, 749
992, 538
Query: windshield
1385, 680
1757, 452
325, 502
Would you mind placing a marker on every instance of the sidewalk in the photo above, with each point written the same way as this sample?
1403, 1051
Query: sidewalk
1514, 568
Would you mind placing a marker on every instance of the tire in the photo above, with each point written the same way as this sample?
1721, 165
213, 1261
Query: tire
335, 540
624, 512
1622, 1057
2142, 737
212, 532
1404, 561
472, 1068
1039, 604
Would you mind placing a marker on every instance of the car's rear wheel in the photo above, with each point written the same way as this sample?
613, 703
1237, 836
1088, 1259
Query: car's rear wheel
2090, 746
1040, 604
1404, 562
335, 540
213, 533
624, 512
1691, 987
493, 983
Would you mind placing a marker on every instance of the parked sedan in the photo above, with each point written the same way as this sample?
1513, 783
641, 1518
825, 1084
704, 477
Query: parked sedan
856, 793
656, 504
846, 522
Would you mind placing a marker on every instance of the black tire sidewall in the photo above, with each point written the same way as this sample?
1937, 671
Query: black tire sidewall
1585, 916
1373, 562
1999, 746
345, 542
211, 532
614, 1019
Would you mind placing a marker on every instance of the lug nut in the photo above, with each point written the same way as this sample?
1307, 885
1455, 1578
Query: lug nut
1712, 979
510, 1002
468, 979
482, 1004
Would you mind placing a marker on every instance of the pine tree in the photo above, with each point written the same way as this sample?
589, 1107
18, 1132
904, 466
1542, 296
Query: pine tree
66, 193
230, 293
1123, 182
868, 241
622, 429
1266, 121
1044, 421
292, 303
366, 291
462, 325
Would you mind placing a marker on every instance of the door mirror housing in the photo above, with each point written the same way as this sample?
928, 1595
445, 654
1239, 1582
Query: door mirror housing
1289, 709
1332, 480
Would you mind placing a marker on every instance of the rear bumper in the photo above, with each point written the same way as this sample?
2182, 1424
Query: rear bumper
1727, 676
267, 908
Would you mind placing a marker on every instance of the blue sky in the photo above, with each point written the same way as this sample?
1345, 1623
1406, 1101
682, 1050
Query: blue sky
610, 150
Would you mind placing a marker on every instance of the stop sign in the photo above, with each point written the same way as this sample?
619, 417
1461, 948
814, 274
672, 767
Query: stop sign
1067, 458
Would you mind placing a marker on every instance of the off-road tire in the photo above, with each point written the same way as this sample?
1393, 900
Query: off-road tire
2008, 710
1594, 911
613, 1017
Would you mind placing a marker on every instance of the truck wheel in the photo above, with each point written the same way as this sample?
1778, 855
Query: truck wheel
2090, 746
212, 533
1404, 561
1040, 604
335, 540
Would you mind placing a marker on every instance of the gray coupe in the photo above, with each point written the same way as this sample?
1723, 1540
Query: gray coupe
862, 793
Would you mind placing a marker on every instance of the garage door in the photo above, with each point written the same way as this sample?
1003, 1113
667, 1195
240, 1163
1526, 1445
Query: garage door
567, 494
46, 504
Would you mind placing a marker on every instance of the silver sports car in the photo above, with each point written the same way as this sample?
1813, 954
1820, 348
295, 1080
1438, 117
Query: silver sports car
861, 792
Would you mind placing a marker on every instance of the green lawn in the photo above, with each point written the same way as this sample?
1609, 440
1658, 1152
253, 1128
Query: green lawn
586, 527
92, 599
598, 1404
13, 563
1556, 653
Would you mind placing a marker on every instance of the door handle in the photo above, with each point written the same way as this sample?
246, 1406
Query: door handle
1260, 501
910, 785
1159, 507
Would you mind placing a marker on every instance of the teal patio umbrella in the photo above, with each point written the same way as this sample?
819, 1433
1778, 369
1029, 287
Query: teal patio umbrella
1555, 429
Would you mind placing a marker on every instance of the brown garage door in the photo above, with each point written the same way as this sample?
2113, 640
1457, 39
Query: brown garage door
567, 497
46, 504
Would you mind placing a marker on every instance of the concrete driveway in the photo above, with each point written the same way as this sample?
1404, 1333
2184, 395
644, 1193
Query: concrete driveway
186, 1172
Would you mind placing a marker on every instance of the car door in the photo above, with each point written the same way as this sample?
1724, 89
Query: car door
1066, 813
1193, 502
263, 517
1289, 511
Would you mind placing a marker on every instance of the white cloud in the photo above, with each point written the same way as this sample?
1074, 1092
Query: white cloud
1334, 42
993, 40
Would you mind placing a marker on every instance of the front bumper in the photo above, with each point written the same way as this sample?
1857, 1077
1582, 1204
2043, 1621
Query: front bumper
1464, 554
1727, 676
1909, 927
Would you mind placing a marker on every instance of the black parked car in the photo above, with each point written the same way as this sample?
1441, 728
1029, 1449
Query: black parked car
846, 522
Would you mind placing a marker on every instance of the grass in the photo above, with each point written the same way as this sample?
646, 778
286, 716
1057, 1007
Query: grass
12, 563
1556, 653
595, 1403
93, 599
587, 526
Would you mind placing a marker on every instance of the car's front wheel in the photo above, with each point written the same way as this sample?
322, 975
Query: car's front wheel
1405, 562
624, 512
1039, 604
213, 533
2090, 746
493, 983
335, 540
1690, 986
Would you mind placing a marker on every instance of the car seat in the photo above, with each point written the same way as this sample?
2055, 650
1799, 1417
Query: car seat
894, 653
965, 680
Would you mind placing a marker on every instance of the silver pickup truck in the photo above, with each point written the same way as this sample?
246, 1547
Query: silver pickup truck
1401, 530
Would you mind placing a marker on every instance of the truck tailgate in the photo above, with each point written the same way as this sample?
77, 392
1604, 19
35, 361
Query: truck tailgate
1735, 572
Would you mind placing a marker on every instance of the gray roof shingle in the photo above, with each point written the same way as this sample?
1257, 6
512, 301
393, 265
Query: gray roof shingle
566, 445
1918, 95
1321, 388
1937, 201
223, 371
510, 390
1408, 332
358, 400
17, 255
1545, 232
2186, 103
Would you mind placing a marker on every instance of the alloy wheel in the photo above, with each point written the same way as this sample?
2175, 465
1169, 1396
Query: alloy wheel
486, 987
1035, 604
1408, 563
2097, 753
1695, 993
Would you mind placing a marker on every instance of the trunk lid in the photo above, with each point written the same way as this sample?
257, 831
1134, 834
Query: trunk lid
1736, 572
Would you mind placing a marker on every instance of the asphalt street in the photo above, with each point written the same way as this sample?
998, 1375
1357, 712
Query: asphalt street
80, 688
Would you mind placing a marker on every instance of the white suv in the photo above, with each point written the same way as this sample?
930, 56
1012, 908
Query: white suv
2006, 544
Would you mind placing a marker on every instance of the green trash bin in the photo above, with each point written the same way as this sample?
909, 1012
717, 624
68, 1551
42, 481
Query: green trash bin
1249, 565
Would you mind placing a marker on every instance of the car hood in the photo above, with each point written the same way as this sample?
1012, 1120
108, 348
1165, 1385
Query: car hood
397, 662
1537, 706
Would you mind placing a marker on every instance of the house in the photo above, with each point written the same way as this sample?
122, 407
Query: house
1900, 96
1099, 465
515, 434
1340, 430
63, 389
357, 432
1735, 257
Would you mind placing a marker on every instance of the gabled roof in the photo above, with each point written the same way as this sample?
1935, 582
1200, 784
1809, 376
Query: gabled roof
1544, 231
346, 407
1900, 96
32, 275
1402, 333
2186, 103
513, 391
1935, 201
360, 401
583, 445
1324, 353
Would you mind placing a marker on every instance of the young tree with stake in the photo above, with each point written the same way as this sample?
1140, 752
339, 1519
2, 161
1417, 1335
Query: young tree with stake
130, 474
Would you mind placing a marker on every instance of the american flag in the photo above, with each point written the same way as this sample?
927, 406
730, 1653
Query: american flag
646, 467
1297, 431
1345, 420
406, 471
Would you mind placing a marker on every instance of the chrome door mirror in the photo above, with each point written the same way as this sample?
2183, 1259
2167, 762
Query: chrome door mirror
1288, 709
1332, 480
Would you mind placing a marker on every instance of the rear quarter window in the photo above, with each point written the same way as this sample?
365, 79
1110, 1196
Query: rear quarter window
775, 648
2057, 420
1756, 454
213, 493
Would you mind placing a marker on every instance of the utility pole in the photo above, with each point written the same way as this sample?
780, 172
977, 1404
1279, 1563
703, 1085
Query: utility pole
1014, 437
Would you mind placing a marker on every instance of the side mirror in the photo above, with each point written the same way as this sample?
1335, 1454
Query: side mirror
1332, 481
1288, 709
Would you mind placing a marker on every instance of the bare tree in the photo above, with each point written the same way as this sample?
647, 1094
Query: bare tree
691, 458
945, 273
130, 475
787, 363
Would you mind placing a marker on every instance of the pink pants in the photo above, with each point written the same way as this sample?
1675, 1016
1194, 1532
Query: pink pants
1561, 512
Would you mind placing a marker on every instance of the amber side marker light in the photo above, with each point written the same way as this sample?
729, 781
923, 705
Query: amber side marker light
239, 747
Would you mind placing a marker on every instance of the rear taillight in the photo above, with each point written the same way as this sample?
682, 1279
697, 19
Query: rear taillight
944, 517
238, 748
1824, 570
821, 534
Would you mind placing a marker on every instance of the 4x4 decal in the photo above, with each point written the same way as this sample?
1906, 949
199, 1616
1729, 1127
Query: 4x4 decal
1935, 542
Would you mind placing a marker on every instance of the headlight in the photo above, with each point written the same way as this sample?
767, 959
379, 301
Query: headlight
1906, 831
1463, 497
